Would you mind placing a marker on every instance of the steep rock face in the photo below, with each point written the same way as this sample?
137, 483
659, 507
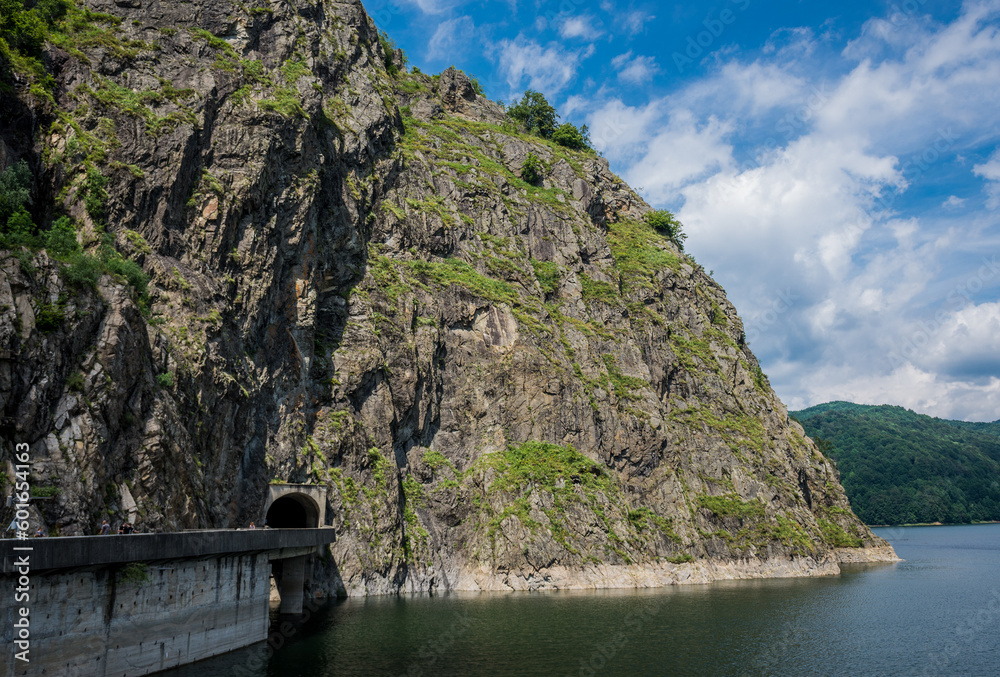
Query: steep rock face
504, 385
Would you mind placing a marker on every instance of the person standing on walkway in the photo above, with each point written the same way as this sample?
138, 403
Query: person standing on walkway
105, 528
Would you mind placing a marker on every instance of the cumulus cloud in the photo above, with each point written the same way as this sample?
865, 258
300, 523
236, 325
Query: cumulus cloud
907, 386
793, 185
579, 27
635, 70
680, 151
547, 69
964, 345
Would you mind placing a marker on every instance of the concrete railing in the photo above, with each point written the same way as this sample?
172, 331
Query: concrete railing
73, 552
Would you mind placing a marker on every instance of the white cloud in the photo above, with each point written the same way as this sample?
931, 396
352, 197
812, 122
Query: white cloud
680, 151
632, 22
617, 129
574, 104
832, 282
547, 69
433, 6
637, 71
791, 42
579, 27
990, 170
908, 101
451, 38
756, 88
953, 202
907, 386
964, 344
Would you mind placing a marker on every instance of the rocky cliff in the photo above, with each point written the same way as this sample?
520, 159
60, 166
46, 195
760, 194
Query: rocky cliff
301, 263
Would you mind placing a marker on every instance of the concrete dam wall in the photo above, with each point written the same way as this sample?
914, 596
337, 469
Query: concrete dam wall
134, 605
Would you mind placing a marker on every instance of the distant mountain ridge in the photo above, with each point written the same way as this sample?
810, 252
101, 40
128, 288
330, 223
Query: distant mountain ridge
901, 467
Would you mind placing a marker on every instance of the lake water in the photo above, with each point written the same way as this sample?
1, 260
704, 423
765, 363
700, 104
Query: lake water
937, 613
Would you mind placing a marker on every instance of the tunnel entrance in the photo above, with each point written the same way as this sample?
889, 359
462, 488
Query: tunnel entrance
293, 511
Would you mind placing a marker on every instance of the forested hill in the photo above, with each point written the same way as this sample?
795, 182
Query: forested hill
900, 467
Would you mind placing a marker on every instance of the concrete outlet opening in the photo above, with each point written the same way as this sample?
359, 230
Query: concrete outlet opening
295, 506
293, 512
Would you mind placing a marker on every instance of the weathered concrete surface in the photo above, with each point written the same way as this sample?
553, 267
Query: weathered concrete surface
100, 622
192, 595
293, 575
87, 551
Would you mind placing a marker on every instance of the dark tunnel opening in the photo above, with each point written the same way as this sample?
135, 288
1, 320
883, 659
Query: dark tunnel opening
293, 512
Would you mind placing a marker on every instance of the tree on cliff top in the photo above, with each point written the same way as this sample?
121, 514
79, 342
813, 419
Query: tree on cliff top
535, 113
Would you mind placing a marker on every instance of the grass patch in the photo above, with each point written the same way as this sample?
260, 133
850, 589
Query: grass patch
731, 505
640, 252
595, 290
834, 534
455, 271
548, 275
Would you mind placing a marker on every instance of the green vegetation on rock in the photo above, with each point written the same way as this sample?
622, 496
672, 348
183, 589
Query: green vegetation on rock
641, 254
731, 505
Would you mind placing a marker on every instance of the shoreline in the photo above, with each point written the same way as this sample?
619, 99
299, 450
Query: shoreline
636, 576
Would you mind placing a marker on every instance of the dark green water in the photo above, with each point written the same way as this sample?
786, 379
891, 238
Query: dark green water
937, 613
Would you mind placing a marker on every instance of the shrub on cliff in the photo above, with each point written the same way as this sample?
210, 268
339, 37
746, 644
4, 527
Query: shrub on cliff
20, 230
25, 29
83, 271
571, 136
15, 189
668, 226
61, 238
531, 170
389, 54
535, 114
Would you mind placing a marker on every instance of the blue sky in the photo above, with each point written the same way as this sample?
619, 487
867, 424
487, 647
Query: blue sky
835, 164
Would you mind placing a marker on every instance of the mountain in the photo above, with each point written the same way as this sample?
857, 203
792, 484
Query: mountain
303, 263
900, 467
